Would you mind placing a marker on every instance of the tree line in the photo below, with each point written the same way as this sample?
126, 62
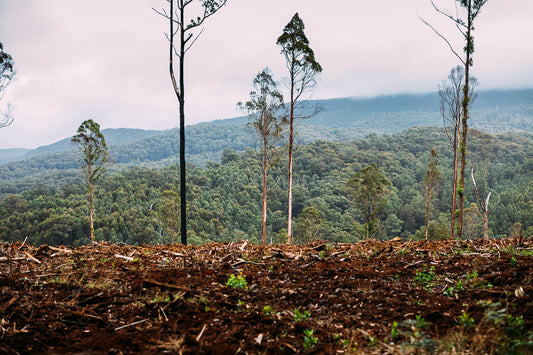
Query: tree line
139, 205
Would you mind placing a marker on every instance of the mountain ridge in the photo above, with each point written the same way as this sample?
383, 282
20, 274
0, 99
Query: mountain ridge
341, 119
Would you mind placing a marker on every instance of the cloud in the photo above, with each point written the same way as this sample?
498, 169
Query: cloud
108, 60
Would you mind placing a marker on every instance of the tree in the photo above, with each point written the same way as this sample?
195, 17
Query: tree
168, 212
263, 110
451, 99
369, 191
431, 178
7, 73
303, 72
93, 153
309, 224
187, 32
465, 27
482, 156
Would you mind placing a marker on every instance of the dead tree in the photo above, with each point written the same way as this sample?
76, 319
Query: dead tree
481, 157
188, 29
465, 25
451, 99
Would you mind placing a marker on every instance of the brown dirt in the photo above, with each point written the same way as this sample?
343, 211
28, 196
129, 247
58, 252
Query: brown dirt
106, 298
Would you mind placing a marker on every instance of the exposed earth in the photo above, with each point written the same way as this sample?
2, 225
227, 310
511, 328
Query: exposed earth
388, 297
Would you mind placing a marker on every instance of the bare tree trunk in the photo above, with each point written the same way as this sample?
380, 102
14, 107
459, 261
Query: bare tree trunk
289, 220
179, 91
464, 133
485, 223
91, 203
264, 183
183, 185
455, 173
291, 146
428, 199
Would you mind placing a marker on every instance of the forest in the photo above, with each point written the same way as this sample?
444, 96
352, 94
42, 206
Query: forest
140, 205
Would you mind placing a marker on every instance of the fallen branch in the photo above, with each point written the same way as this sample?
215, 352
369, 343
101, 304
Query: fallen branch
201, 332
129, 258
32, 257
161, 284
131, 324
60, 250
4, 259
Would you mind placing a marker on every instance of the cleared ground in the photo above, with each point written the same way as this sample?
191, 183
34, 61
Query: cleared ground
370, 297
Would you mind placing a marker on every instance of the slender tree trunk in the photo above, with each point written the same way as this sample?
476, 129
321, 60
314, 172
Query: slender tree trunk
455, 173
179, 91
91, 204
264, 183
464, 133
486, 223
428, 199
291, 143
183, 185
291, 146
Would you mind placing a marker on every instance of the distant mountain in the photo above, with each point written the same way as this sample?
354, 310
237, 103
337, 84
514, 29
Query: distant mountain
340, 119
12, 154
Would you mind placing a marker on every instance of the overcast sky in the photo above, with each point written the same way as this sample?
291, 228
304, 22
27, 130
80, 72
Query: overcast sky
108, 59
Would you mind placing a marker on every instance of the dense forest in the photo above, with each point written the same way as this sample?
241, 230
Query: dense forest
140, 205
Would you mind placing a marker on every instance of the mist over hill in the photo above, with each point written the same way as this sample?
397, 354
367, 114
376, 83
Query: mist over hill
341, 119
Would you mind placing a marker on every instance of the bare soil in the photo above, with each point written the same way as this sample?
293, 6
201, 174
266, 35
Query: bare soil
370, 297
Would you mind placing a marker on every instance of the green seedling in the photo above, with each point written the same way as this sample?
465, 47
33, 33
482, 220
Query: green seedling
237, 281
466, 321
299, 317
309, 340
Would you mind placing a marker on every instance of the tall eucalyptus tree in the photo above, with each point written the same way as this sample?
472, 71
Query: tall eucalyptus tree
303, 72
93, 154
263, 110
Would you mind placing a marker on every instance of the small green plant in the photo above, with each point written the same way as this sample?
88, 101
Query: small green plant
513, 261
421, 322
372, 341
472, 275
411, 331
309, 340
452, 291
269, 311
426, 277
394, 332
466, 321
299, 316
237, 281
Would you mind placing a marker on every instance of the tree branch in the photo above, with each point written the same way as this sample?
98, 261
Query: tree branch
444, 38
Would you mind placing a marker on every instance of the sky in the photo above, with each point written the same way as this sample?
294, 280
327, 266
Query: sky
108, 59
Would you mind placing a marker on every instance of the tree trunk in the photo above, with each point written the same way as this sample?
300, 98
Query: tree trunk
264, 183
291, 142
486, 223
91, 204
464, 133
291, 146
428, 199
455, 173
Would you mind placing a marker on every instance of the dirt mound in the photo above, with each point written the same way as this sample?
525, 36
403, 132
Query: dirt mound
369, 297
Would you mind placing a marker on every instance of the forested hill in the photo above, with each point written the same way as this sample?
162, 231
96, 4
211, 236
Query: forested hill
131, 206
342, 119
113, 136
